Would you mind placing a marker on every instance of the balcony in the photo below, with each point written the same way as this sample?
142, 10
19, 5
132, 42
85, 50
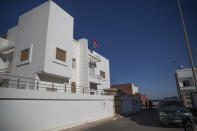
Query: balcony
5, 46
191, 88
6, 55
94, 78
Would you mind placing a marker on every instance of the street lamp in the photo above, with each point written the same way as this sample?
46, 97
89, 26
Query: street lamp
188, 46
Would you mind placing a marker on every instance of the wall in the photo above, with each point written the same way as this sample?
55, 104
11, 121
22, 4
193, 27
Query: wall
75, 55
134, 89
26, 110
185, 74
31, 32
83, 63
59, 34
125, 88
104, 66
12, 34
130, 104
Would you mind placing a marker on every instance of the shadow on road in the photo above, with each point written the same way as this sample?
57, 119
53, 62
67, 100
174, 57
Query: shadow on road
148, 118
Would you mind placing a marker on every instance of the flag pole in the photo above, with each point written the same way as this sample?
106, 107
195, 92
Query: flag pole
188, 45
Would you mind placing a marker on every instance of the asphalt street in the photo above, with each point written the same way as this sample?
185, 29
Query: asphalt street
142, 121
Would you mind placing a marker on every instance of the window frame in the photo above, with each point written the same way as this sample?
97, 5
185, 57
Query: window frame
26, 56
57, 61
102, 74
28, 61
59, 54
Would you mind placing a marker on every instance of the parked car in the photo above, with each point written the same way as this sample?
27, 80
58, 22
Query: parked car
173, 111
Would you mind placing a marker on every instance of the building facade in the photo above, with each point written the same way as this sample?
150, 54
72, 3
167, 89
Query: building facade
143, 97
127, 88
42, 47
185, 85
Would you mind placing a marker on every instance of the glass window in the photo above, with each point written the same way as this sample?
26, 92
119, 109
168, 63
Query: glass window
186, 83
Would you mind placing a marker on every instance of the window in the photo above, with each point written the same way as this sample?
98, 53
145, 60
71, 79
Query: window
24, 55
60, 54
92, 64
186, 83
102, 74
73, 87
74, 63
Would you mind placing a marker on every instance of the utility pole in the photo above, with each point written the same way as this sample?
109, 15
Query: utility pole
188, 45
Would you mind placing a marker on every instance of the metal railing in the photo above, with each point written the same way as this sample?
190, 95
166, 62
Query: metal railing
36, 84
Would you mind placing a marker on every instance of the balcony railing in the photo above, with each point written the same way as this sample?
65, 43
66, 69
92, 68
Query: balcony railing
93, 75
7, 47
36, 84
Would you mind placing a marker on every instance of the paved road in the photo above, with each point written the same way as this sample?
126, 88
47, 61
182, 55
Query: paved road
143, 121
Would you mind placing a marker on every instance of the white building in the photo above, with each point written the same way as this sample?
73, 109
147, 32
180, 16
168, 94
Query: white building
185, 85
135, 88
42, 47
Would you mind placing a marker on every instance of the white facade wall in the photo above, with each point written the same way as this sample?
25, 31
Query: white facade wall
12, 34
83, 63
25, 110
103, 66
75, 55
59, 34
185, 85
135, 89
184, 74
32, 33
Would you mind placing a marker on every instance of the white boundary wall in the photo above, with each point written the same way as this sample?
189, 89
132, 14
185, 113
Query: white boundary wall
26, 110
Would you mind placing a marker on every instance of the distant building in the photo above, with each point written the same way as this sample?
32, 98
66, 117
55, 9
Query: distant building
143, 97
127, 88
185, 85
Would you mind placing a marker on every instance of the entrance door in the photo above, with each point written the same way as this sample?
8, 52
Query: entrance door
73, 87
93, 88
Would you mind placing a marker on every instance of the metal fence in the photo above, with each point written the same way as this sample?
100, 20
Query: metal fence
19, 82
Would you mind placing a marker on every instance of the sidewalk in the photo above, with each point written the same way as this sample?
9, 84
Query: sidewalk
88, 125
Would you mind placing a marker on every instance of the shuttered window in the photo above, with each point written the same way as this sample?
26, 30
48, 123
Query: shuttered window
60, 54
102, 74
24, 55
73, 87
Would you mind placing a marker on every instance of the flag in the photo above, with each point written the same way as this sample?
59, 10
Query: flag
94, 43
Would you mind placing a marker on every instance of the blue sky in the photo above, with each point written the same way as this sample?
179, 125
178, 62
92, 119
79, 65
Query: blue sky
139, 37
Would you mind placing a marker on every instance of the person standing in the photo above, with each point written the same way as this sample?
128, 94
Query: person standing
150, 104
146, 104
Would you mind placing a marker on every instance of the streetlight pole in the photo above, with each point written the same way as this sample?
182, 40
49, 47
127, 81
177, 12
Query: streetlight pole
188, 46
